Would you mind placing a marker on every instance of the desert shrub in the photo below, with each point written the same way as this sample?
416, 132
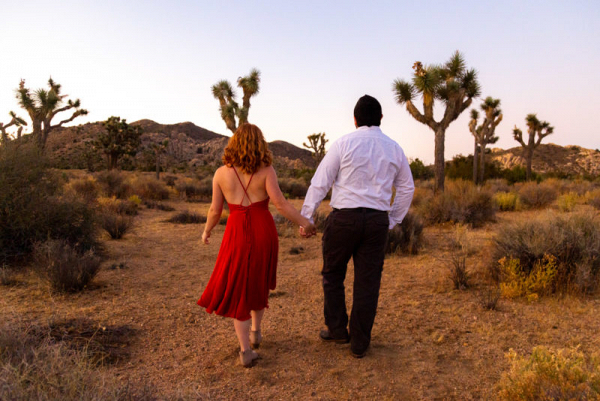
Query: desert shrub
35, 366
149, 188
187, 217
293, 188
566, 202
536, 196
572, 239
170, 180
461, 202
119, 206
193, 189
150, 204
87, 188
112, 183
507, 201
497, 185
65, 268
7, 275
32, 208
592, 198
517, 283
565, 374
407, 237
285, 228
421, 196
460, 248
115, 224
489, 297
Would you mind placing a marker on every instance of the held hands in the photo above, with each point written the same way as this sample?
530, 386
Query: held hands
308, 230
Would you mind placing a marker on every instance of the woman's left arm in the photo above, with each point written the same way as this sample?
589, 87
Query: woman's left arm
215, 210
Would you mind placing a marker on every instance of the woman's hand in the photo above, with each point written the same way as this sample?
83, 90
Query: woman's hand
205, 237
308, 231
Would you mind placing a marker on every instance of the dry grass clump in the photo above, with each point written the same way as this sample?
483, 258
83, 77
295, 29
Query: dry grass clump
36, 365
293, 188
421, 196
507, 201
566, 202
457, 264
407, 237
150, 204
112, 183
86, 187
187, 217
7, 275
149, 188
572, 241
63, 267
592, 198
116, 225
285, 228
537, 196
120, 206
191, 189
461, 202
495, 185
547, 374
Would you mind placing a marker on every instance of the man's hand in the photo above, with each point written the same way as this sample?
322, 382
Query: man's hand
205, 237
308, 231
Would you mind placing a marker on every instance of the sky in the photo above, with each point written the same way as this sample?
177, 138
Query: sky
158, 60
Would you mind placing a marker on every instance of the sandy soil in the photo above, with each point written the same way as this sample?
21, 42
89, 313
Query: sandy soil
429, 341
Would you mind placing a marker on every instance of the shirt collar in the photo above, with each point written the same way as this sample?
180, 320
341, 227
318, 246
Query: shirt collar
373, 128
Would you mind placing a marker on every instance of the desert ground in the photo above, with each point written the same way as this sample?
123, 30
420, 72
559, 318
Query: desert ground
430, 341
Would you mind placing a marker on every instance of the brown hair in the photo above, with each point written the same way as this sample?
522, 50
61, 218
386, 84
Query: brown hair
247, 149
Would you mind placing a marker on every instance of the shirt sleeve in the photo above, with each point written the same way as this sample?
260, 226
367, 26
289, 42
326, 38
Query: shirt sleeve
322, 181
405, 188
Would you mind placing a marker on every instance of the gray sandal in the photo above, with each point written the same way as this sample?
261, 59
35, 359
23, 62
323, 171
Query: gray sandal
248, 357
255, 338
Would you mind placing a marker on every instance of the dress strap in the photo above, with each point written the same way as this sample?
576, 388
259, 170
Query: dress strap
242, 184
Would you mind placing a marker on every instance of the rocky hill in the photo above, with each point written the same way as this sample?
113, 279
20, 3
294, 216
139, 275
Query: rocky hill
189, 146
571, 160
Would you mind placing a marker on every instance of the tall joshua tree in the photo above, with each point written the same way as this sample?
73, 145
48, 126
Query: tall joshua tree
43, 105
537, 131
316, 143
451, 83
118, 139
158, 149
484, 134
231, 112
16, 121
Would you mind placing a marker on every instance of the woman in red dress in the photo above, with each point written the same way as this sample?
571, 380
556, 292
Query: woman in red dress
246, 266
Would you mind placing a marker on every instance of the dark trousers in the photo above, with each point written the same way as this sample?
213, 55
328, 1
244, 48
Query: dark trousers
359, 233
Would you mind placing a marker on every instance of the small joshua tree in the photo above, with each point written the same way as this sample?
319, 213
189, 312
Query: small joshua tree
159, 148
16, 121
118, 139
43, 105
230, 109
484, 134
537, 131
316, 143
450, 83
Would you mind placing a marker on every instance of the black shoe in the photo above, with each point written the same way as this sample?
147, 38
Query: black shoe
358, 355
327, 337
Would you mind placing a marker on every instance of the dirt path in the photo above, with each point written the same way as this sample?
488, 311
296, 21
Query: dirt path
429, 341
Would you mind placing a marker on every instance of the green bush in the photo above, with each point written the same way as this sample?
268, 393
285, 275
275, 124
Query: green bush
548, 374
572, 239
407, 237
32, 208
461, 202
63, 267
536, 196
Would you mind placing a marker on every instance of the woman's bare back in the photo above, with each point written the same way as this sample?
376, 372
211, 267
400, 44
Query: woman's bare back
233, 190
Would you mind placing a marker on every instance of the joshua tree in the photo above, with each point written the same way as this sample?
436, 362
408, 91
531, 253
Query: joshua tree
316, 143
534, 127
118, 139
43, 105
450, 83
230, 109
16, 121
159, 148
484, 134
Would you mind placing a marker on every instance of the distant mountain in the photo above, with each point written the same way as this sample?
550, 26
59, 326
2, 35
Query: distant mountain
573, 160
189, 145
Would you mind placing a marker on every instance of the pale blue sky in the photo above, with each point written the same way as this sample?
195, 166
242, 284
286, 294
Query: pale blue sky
158, 60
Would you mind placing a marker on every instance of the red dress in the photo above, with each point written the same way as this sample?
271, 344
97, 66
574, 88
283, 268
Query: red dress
246, 266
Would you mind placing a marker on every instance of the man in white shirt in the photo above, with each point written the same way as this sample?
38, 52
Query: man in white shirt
361, 167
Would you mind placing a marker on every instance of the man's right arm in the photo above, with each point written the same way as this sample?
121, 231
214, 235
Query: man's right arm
322, 181
405, 188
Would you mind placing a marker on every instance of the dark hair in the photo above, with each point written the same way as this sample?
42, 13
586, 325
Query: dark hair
367, 111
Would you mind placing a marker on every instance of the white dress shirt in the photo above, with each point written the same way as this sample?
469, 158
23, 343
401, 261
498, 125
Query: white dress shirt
362, 167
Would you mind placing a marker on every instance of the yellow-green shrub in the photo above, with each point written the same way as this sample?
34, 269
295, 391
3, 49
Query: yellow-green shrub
565, 374
567, 202
517, 282
507, 201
